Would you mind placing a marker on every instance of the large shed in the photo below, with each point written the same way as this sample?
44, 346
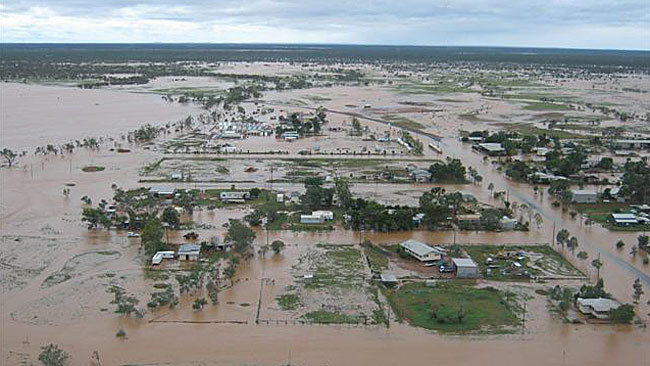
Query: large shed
465, 267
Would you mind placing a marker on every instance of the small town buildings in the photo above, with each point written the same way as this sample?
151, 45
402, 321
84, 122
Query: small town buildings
584, 196
469, 219
421, 251
311, 219
598, 308
465, 267
625, 219
234, 196
508, 223
388, 279
421, 175
189, 252
327, 215
163, 192
490, 148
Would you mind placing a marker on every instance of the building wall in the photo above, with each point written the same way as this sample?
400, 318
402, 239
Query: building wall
466, 272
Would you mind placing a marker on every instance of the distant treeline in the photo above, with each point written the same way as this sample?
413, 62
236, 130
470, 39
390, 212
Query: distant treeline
607, 61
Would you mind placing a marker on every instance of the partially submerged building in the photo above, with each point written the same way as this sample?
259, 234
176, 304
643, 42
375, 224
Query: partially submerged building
166, 192
598, 308
189, 252
234, 196
625, 219
584, 196
490, 148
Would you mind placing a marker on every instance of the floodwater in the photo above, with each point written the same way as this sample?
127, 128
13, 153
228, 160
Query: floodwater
36, 115
71, 314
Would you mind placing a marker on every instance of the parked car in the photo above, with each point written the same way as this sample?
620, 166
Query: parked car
132, 234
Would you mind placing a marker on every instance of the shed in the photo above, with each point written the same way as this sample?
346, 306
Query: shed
465, 267
327, 215
162, 191
625, 219
584, 196
312, 219
189, 252
388, 279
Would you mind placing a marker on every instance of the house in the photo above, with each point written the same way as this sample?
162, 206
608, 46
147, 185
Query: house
189, 252
388, 279
490, 148
421, 251
279, 198
584, 196
469, 219
421, 175
327, 215
312, 219
234, 196
625, 219
465, 267
163, 192
231, 135
508, 223
598, 308
294, 197
631, 144
159, 256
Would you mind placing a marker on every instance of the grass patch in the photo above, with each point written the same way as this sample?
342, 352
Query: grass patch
453, 307
601, 213
402, 122
530, 129
340, 267
93, 168
376, 257
288, 302
471, 117
542, 106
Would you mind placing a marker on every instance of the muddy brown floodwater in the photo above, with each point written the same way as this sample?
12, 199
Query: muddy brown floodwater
42, 237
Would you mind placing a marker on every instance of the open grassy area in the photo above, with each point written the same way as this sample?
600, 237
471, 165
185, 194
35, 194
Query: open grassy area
453, 306
601, 213
340, 267
401, 121
376, 257
542, 106
327, 317
472, 117
530, 129
289, 301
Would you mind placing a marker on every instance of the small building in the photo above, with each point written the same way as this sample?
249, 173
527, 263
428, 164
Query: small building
625, 219
421, 175
389, 279
327, 215
417, 219
163, 192
598, 308
234, 196
465, 267
159, 256
631, 144
279, 198
490, 148
312, 219
584, 196
508, 223
189, 252
421, 251
176, 176
469, 219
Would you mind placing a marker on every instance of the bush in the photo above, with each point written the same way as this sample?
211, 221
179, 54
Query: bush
121, 334
622, 314
52, 355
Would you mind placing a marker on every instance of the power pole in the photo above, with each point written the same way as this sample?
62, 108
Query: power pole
553, 233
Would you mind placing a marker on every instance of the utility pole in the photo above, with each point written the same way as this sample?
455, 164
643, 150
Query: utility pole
553, 233
598, 268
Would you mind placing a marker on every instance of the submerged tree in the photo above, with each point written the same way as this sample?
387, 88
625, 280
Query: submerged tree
9, 156
52, 355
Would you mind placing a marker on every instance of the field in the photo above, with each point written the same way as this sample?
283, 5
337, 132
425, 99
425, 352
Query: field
455, 307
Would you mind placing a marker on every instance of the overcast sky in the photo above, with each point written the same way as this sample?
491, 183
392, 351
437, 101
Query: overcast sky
545, 23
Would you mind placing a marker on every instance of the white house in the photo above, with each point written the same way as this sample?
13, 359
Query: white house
234, 196
421, 251
189, 252
327, 215
312, 219
598, 308
625, 219
159, 256
421, 175
584, 196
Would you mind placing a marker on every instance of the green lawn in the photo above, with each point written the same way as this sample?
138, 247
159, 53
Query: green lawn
403, 122
542, 106
327, 317
438, 308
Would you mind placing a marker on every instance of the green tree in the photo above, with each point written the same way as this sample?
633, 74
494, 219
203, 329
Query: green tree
171, 217
572, 244
562, 236
95, 217
277, 246
582, 255
596, 263
356, 126
240, 234
52, 355
638, 291
643, 242
620, 244
342, 191
9, 156
152, 236
623, 314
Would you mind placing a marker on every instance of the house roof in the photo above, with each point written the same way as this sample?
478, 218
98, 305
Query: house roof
463, 262
189, 248
584, 191
388, 277
162, 189
492, 146
421, 172
600, 304
418, 247
623, 216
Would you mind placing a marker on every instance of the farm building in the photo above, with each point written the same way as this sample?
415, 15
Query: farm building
465, 267
189, 252
421, 251
584, 196
598, 308
490, 148
234, 196
388, 279
624, 219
